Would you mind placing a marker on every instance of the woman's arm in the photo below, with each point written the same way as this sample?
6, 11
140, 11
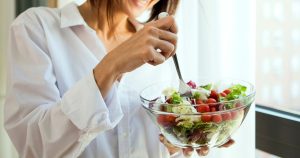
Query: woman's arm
40, 121
141, 48
44, 123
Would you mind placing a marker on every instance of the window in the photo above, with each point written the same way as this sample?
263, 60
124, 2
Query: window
22, 5
278, 77
278, 54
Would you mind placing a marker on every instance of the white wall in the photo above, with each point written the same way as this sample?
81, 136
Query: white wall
7, 13
6, 16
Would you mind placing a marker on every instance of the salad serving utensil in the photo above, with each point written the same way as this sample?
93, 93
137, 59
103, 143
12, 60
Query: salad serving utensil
184, 89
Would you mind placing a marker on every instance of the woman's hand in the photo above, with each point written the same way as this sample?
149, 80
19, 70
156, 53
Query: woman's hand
141, 48
203, 151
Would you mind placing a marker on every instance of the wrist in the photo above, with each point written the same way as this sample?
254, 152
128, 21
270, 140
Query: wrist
105, 74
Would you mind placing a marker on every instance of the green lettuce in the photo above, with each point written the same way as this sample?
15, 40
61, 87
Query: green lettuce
176, 98
196, 95
207, 87
237, 91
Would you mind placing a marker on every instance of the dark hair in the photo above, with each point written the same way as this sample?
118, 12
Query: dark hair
169, 6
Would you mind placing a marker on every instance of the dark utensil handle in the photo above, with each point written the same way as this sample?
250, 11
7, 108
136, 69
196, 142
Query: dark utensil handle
177, 66
174, 56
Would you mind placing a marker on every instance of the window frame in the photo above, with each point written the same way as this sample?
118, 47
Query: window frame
271, 137
22, 5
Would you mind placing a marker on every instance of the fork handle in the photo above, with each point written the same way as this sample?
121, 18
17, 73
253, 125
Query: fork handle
177, 66
162, 15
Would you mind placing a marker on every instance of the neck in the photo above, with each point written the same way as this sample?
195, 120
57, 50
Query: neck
96, 18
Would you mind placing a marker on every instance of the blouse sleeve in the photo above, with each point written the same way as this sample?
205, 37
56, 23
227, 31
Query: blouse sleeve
39, 120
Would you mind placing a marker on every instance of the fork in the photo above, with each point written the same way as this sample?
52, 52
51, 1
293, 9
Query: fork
184, 89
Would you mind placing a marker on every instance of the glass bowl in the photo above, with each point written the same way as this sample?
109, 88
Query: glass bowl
198, 129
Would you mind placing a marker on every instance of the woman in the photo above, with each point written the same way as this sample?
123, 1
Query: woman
68, 94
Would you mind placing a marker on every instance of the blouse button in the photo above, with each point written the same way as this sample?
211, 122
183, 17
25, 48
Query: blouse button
125, 135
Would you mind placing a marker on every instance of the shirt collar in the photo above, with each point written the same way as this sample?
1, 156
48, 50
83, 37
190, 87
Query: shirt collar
70, 16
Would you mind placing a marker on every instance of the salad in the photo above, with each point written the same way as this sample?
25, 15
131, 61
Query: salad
207, 116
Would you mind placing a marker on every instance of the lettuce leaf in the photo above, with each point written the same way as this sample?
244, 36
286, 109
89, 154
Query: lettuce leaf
176, 98
196, 95
207, 87
237, 91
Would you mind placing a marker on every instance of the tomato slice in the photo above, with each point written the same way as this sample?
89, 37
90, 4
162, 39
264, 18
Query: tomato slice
203, 108
166, 120
213, 109
170, 118
217, 118
199, 101
226, 116
214, 94
223, 94
227, 91
211, 101
206, 118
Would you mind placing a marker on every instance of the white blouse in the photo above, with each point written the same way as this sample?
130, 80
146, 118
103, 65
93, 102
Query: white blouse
54, 107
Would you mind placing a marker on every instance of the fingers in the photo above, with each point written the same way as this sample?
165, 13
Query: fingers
167, 23
166, 41
203, 151
228, 143
172, 149
187, 151
171, 38
167, 36
166, 48
155, 58
156, 33
162, 36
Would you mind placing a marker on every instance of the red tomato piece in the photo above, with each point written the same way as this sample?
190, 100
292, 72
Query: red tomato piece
161, 119
217, 118
211, 100
170, 118
213, 109
166, 120
226, 116
206, 118
203, 108
223, 94
227, 91
199, 101
214, 94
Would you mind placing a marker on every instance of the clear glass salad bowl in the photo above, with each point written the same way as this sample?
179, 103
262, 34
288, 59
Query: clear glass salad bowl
202, 122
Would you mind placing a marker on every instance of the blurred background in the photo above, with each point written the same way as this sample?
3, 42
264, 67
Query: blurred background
278, 54
257, 41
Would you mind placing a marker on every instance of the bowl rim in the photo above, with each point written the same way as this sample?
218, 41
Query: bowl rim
251, 94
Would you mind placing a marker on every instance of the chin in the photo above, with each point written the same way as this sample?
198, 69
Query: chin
142, 4
137, 7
